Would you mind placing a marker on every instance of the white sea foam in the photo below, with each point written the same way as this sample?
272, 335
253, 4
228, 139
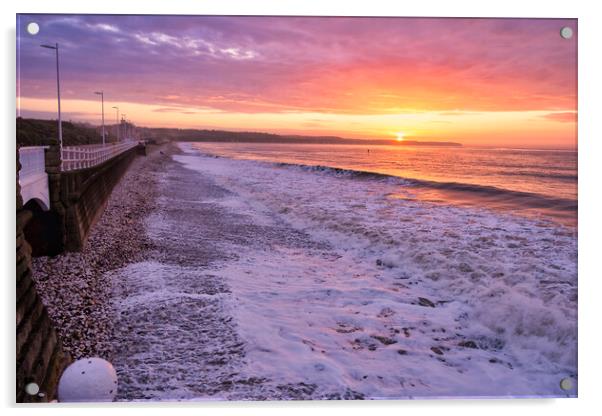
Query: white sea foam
353, 316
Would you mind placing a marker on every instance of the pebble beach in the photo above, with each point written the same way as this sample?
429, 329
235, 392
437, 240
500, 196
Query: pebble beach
74, 286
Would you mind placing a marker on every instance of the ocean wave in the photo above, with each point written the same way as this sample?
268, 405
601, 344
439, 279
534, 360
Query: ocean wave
492, 193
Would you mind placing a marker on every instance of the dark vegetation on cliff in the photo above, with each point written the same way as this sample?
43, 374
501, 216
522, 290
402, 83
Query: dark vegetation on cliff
33, 132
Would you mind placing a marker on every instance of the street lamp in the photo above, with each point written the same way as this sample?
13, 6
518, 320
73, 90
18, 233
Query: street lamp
58, 93
102, 98
117, 122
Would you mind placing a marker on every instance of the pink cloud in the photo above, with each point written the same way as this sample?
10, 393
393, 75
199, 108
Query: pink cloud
280, 64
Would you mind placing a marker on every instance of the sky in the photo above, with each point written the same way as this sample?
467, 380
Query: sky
498, 82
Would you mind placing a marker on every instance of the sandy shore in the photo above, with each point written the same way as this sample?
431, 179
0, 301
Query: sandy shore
75, 287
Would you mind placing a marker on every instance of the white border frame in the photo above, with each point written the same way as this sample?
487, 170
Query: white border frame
590, 207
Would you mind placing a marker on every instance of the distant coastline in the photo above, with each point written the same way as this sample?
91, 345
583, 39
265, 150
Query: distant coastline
224, 136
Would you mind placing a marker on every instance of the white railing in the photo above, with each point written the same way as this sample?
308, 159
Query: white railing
86, 156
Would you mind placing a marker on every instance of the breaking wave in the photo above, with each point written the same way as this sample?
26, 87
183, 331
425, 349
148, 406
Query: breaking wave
491, 193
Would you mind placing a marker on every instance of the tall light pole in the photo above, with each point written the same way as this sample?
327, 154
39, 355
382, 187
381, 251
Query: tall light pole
58, 94
117, 121
102, 99
125, 126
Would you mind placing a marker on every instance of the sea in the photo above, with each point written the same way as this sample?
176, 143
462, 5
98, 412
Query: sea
532, 182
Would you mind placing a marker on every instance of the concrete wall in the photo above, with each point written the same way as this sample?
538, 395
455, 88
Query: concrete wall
77, 200
39, 353
84, 194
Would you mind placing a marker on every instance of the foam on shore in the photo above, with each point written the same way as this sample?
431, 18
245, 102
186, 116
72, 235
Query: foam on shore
355, 315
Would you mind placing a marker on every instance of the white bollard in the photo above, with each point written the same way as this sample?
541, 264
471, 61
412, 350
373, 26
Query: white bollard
88, 380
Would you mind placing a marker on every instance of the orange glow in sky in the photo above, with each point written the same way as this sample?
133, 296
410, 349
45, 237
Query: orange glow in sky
499, 82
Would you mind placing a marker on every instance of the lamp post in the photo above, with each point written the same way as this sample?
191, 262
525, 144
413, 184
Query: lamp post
117, 121
58, 94
102, 99
125, 126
